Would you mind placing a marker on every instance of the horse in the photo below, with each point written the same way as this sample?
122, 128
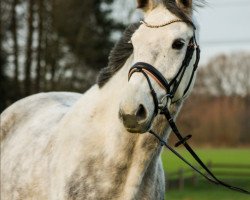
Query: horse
96, 145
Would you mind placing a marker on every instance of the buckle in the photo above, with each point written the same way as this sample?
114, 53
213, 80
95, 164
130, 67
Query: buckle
162, 105
184, 140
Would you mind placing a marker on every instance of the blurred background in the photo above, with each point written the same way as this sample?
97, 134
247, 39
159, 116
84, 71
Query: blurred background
60, 45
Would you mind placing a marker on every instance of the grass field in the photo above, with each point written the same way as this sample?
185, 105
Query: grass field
205, 190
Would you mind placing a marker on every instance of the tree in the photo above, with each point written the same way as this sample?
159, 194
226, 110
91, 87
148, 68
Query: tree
29, 51
217, 113
40, 45
5, 8
87, 28
15, 44
56, 44
225, 75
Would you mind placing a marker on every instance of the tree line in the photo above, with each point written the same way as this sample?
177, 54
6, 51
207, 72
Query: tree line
218, 111
52, 45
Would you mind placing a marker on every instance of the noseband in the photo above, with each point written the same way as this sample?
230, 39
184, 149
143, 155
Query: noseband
171, 87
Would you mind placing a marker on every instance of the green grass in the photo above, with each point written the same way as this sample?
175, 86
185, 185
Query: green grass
205, 190
237, 156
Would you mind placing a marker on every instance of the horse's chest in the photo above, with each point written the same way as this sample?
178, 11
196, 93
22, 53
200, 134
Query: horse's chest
94, 180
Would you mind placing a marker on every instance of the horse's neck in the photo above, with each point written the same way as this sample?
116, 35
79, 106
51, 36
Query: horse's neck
97, 113
98, 110
92, 129
138, 152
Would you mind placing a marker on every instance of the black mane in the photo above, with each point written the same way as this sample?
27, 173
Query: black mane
118, 55
123, 49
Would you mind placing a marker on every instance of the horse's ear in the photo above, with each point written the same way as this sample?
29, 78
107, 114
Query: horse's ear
146, 4
185, 5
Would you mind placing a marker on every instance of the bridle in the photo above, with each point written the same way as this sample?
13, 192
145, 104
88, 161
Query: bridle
171, 87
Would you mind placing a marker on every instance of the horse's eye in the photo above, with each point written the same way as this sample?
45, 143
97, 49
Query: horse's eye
178, 44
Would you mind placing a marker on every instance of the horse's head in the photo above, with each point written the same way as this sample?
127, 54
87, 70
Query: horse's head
163, 44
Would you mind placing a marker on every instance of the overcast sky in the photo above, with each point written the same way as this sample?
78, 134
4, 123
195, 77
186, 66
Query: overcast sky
224, 25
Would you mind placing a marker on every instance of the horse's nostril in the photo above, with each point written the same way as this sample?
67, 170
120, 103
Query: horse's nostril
135, 121
141, 113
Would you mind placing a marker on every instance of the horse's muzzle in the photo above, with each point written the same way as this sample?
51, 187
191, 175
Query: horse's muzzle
137, 121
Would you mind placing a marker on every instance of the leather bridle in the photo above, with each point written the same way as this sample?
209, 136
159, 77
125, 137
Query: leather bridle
171, 87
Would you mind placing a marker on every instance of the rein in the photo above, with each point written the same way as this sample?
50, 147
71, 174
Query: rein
183, 141
171, 88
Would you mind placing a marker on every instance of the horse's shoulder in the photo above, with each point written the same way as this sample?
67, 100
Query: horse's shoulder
33, 105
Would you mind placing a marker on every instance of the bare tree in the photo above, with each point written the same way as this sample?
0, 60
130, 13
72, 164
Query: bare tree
1, 49
29, 48
55, 35
225, 75
40, 44
1, 35
15, 45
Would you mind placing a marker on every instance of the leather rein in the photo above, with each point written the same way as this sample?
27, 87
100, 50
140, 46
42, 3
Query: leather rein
171, 87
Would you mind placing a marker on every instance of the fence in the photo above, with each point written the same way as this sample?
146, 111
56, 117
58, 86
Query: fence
183, 176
